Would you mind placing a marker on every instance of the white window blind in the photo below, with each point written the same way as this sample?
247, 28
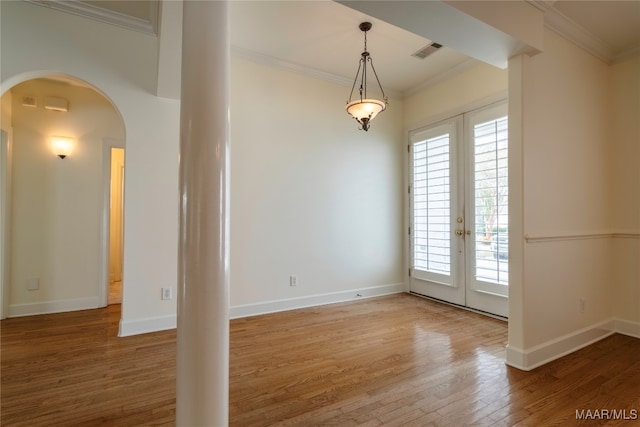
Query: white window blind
431, 205
491, 200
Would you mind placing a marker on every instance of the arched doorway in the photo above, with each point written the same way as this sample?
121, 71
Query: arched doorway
55, 211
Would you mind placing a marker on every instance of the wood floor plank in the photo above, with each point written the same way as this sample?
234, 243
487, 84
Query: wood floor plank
389, 361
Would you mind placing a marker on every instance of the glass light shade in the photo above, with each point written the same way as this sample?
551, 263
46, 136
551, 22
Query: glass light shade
365, 110
61, 146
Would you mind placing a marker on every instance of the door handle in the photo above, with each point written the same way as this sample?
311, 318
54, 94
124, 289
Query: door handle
459, 232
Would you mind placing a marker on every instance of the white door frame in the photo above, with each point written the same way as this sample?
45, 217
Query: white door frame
103, 279
6, 163
481, 295
460, 111
449, 288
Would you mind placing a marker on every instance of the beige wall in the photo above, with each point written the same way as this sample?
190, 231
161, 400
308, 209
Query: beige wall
567, 178
57, 203
563, 112
625, 147
5, 112
311, 195
468, 88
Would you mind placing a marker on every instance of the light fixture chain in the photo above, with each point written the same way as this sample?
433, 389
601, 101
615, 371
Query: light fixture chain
365, 41
365, 56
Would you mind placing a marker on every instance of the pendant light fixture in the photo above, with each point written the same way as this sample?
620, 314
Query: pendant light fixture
365, 109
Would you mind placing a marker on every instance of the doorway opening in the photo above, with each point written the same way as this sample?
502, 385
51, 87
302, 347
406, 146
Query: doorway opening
459, 210
116, 225
57, 257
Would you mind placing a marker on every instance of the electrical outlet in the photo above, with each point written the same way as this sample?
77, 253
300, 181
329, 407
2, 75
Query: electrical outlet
293, 281
583, 305
167, 294
33, 284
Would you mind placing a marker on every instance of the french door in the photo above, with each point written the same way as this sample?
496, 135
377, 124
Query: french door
458, 205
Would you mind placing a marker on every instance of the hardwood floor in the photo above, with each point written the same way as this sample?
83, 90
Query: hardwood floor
115, 292
397, 360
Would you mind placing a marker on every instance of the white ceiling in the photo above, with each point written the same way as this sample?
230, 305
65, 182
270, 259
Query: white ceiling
322, 36
616, 23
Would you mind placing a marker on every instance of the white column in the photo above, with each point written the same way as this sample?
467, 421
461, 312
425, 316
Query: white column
203, 269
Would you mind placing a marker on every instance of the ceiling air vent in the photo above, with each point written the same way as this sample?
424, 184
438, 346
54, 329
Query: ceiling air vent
56, 104
427, 50
29, 101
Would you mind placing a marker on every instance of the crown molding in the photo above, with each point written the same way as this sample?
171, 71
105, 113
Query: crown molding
572, 31
271, 61
105, 15
627, 54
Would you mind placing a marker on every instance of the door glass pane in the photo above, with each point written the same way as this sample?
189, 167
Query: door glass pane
491, 201
431, 205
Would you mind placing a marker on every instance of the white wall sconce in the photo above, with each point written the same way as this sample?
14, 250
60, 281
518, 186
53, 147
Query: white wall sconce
62, 146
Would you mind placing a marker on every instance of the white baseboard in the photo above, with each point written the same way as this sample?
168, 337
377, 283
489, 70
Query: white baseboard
161, 323
627, 327
146, 325
527, 360
247, 310
48, 307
